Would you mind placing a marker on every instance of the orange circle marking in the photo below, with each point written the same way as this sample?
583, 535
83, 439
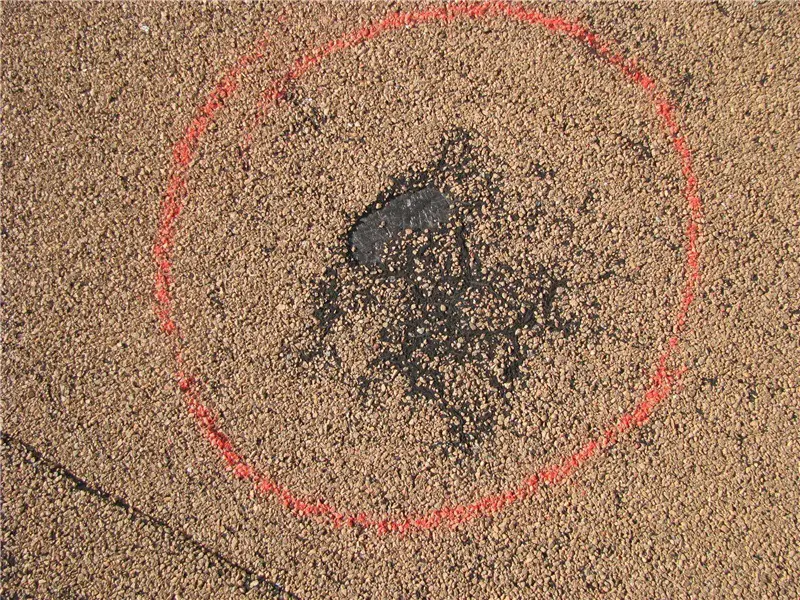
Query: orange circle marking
174, 201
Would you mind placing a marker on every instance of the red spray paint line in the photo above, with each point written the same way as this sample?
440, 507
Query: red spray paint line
176, 195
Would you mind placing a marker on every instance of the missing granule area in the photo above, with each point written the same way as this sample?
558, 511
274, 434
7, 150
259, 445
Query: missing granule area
454, 329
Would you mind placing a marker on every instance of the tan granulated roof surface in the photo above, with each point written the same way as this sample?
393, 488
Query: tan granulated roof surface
350, 300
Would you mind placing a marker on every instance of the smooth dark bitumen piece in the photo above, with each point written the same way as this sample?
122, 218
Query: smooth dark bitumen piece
421, 209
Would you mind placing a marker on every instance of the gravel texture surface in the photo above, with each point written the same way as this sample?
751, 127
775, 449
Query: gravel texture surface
388, 300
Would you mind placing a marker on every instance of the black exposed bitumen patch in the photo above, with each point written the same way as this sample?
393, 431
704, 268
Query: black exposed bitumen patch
412, 211
418, 244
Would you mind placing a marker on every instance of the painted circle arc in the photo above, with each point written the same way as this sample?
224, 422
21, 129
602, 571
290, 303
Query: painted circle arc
663, 378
